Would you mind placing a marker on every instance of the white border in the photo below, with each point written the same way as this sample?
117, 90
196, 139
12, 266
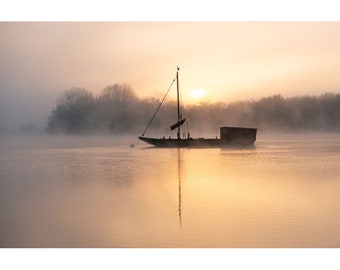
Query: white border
169, 10
156, 10
278, 259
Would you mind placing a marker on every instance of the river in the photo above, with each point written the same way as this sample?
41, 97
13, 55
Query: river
98, 192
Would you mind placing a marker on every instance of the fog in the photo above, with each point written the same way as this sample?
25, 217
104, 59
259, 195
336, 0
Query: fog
19, 110
231, 61
117, 110
60, 141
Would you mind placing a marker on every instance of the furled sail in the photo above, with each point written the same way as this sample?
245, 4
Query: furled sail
179, 123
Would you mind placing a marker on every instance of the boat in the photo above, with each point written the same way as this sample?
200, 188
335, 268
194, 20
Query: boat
229, 136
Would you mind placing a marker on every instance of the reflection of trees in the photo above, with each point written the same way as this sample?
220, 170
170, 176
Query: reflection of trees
118, 110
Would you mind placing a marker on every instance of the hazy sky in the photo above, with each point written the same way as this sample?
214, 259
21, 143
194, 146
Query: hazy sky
229, 61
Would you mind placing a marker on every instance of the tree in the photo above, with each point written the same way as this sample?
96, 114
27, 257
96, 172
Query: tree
72, 113
115, 107
118, 110
120, 95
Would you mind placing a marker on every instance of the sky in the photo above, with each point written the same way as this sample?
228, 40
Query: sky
219, 61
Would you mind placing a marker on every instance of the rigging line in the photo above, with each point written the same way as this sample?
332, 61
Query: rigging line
160, 104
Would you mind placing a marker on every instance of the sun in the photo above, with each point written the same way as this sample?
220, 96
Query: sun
197, 95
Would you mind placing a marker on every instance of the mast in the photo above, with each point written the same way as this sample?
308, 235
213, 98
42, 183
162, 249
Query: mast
178, 112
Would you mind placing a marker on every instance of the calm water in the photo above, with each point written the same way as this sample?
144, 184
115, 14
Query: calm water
98, 192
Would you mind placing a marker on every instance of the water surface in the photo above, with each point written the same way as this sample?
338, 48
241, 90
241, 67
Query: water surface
98, 192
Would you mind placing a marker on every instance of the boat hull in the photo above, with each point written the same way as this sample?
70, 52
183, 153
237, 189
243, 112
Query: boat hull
230, 137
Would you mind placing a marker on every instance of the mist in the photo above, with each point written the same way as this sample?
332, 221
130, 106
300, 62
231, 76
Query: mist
117, 110
38, 60
24, 111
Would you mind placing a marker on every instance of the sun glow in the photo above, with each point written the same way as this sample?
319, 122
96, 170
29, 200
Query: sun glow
197, 95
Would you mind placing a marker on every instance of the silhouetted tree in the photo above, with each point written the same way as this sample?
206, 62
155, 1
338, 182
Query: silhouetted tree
118, 110
118, 95
73, 112
114, 108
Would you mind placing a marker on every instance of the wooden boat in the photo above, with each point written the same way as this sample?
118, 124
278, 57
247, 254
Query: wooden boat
229, 136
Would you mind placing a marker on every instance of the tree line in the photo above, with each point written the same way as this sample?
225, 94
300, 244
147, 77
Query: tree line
118, 110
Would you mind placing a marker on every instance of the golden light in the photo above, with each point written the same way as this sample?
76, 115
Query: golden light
197, 94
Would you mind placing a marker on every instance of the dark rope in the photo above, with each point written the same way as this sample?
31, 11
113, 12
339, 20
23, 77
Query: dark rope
160, 104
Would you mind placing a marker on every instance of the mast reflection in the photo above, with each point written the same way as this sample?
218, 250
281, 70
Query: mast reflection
179, 187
